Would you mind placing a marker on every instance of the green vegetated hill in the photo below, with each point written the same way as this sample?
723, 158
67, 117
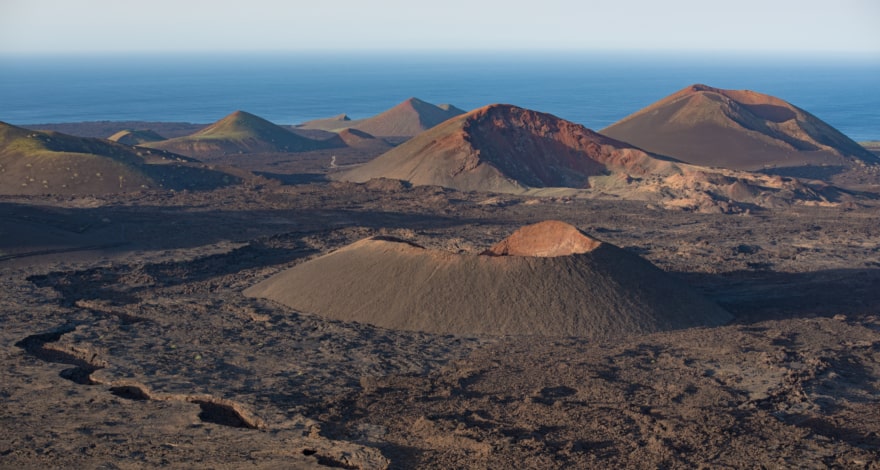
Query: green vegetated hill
547, 279
36, 162
241, 133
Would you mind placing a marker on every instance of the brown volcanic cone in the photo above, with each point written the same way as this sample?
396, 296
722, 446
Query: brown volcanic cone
239, 133
737, 129
504, 148
407, 119
547, 279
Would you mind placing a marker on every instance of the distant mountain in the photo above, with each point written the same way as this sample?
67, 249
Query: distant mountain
102, 129
36, 162
503, 148
240, 133
404, 120
135, 137
742, 130
338, 122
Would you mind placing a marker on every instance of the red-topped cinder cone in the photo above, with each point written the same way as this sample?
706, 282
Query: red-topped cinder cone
504, 148
546, 279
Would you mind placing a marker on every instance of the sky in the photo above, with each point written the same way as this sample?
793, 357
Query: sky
122, 26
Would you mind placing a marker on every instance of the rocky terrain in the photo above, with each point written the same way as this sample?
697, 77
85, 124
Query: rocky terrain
127, 341
649, 313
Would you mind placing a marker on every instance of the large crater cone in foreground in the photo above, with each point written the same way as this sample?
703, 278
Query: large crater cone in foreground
545, 279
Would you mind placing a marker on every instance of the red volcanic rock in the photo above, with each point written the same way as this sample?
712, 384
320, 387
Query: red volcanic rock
508, 149
545, 239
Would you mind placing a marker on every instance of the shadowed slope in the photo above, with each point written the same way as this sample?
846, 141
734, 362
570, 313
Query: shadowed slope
33, 162
590, 289
508, 149
404, 120
737, 129
361, 140
240, 132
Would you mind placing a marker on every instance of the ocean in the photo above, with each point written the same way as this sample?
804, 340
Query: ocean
593, 89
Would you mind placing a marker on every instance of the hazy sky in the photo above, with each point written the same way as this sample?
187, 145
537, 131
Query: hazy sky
63, 26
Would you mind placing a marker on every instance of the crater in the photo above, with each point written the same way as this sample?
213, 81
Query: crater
546, 239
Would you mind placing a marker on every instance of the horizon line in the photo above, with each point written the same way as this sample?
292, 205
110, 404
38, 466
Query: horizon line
483, 56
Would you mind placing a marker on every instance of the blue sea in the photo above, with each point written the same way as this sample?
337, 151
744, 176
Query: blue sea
593, 89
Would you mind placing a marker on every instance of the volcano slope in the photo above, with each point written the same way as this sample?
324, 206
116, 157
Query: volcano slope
404, 120
507, 149
35, 162
135, 137
545, 279
742, 130
241, 133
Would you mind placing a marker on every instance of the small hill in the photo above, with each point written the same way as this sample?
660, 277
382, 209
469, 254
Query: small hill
361, 140
334, 123
101, 129
239, 133
548, 279
451, 108
35, 162
404, 120
741, 130
135, 137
